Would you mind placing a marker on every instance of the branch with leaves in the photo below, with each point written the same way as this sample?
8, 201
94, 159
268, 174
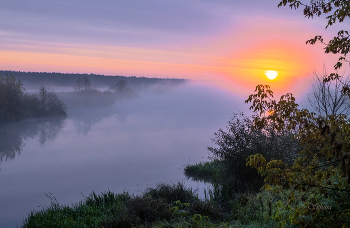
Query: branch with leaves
320, 173
337, 11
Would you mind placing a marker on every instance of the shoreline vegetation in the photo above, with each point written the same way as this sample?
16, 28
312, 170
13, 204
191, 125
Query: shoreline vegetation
286, 169
16, 105
166, 205
239, 196
235, 199
32, 79
209, 172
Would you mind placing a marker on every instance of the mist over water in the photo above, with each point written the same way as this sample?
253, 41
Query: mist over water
130, 146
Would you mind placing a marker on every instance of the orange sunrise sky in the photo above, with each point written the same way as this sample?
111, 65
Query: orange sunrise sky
228, 43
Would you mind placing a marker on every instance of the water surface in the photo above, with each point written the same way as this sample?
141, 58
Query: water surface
130, 146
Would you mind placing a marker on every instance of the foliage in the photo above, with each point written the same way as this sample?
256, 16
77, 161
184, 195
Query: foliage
49, 103
16, 105
206, 171
180, 213
337, 11
171, 192
95, 209
258, 209
11, 94
153, 208
321, 173
241, 141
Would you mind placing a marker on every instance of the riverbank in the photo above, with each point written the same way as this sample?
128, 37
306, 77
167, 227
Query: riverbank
165, 205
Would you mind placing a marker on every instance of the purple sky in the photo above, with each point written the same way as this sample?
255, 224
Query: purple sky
224, 41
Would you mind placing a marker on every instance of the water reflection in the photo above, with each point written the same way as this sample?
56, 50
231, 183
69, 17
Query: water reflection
85, 119
83, 125
13, 135
121, 116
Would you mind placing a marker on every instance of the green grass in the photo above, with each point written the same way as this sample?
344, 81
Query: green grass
246, 208
205, 171
90, 212
154, 207
165, 205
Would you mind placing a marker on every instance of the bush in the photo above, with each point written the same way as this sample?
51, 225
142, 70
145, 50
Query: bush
240, 141
16, 105
205, 171
149, 210
11, 93
171, 192
50, 104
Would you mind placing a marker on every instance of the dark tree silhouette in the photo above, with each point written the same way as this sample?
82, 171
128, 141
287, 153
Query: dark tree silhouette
82, 84
16, 105
11, 94
78, 85
86, 83
50, 104
120, 86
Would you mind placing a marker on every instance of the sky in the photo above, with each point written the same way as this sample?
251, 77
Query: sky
230, 43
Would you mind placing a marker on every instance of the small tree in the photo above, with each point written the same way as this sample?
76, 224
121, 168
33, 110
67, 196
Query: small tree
82, 84
86, 83
241, 141
317, 186
11, 93
120, 87
50, 104
55, 105
78, 85
43, 99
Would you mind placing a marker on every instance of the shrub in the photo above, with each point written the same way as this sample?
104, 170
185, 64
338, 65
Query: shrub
149, 210
205, 171
241, 141
171, 192
11, 93
319, 176
16, 105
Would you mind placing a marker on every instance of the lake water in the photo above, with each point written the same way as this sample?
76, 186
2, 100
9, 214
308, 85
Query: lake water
130, 146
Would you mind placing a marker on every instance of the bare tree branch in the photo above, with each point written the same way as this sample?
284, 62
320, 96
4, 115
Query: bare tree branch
327, 98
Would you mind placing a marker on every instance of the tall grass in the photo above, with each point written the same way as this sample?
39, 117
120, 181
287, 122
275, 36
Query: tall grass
165, 205
90, 212
205, 171
154, 207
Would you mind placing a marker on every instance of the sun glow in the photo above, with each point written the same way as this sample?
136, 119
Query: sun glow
271, 74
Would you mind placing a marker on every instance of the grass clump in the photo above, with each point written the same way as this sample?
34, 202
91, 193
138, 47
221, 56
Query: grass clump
90, 212
207, 171
171, 192
159, 206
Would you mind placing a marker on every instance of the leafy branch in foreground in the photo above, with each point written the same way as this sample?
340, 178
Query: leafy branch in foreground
321, 173
337, 11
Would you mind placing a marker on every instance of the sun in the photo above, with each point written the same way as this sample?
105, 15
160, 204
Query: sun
271, 74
